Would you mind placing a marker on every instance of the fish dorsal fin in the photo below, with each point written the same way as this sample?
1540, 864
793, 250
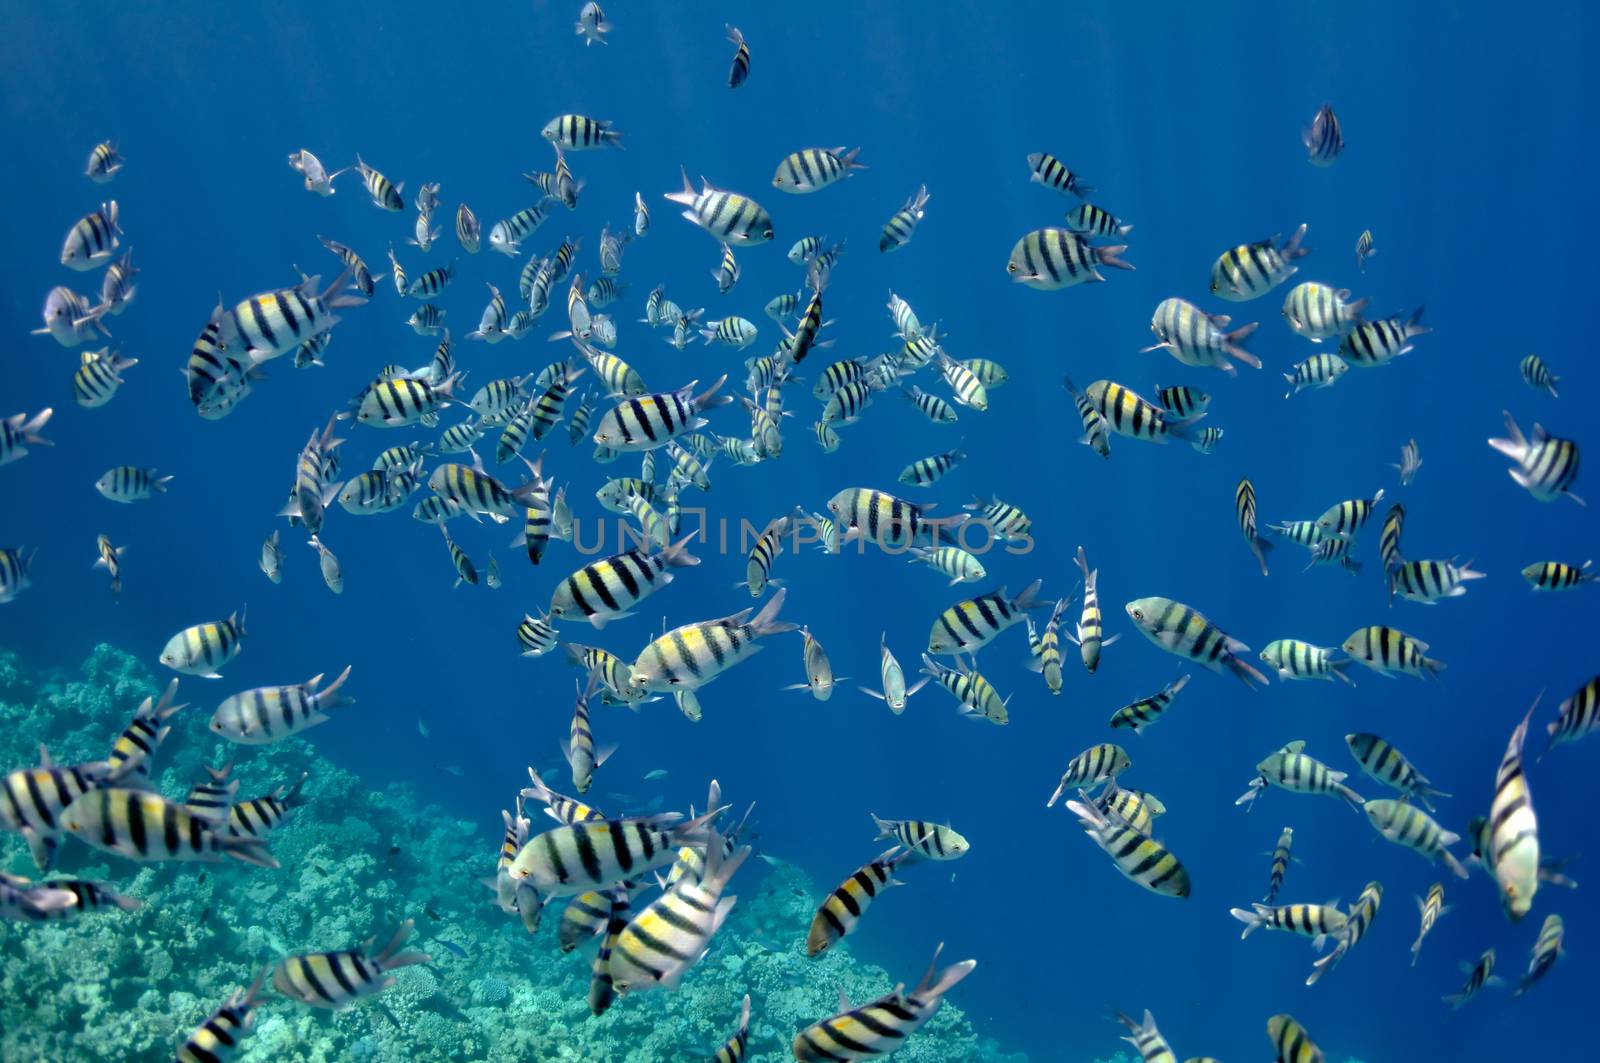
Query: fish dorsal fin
1294, 747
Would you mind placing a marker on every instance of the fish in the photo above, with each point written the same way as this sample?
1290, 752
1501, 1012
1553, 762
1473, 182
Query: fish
739, 71
1347, 518
1052, 259
727, 216
973, 623
649, 421
1140, 858
1537, 375
1405, 824
1319, 312
692, 655
599, 854
1364, 249
1558, 575
1291, 1041
978, 697
1134, 807
1389, 652
69, 319
202, 649
1323, 138
960, 565
879, 517
592, 25
921, 839
895, 694
328, 564
931, 406
1090, 220
1095, 433
270, 714
1046, 656
1291, 769
607, 589
734, 1048
736, 332
583, 757
1095, 765
219, 1037
1514, 829
271, 324
641, 215
110, 559
536, 636
469, 233
1546, 951
1195, 338
577, 132
105, 162
131, 483
561, 808
1294, 659
884, 1024
317, 177
584, 917
902, 224
1186, 633
16, 572
1546, 467
819, 672
1410, 462
135, 748
93, 239
259, 816
1431, 909
1047, 170
1431, 581
1280, 863
601, 991
1359, 918
1377, 343
1142, 713
466, 571
1126, 413
1315, 921
1479, 975
1579, 716
335, 980
1244, 508
143, 826
19, 431
272, 558
385, 194
813, 169
1250, 271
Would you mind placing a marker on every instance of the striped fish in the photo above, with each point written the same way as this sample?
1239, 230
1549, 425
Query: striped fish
69, 319
1558, 575
1364, 249
584, 916
1537, 375
1546, 467
1095, 434
1514, 830
693, 655
335, 980
1049, 171
902, 224
1479, 975
1430, 581
1294, 659
600, 854
1146, 1039
726, 216
270, 714
1394, 523
1319, 371
432, 282
1006, 523
879, 517
204, 648
1250, 271
968, 626
952, 561
536, 636
1375, 343
582, 755
1196, 338
1407, 825
881, 1026
1358, 920
99, 376
931, 406
1304, 532
271, 324
1134, 807
1186, 633
1089, 636
104, 162
1431, 909
1291, 1041
385, 195
1347, 518
1095, 765
1388, 652
964, 383
1244, 508
827, 438
740, 70
1144, 712
673, 933
44, 902
92, 240
469, 234
1206, 440
1126, 413
1546, 951
921, 839
18, 432
734, 1048
110, 560
736, 332
1315, 921
507, 234
1323, 138
1280, 863
131, 483
607, 589
1579, 716
1299, 773
116, 291
259, 816
1182, 401
142, 825
479, 492
819, 670
33, 799
978, 697
561, 808
16, 565
1319, 312
218, 1038
649, 421
813, 169
1046, 656
1090, 220
621, 380
893, 679
361, 279
1051, 259
136, 746
1140, 858
601, 991
1381, 760
577, 132
397, 272
466, 571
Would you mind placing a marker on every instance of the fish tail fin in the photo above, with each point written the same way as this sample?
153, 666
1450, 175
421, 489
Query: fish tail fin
1112, 256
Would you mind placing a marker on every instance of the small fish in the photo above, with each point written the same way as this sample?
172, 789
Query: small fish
893, 680
202, 649
1319, 312
384, 194
1579, 716
1364, 249
1051, 259
218, 1038
1514, 829
536, 636
1250, 271
1141, 714
1383, 762
104, 162
1546, 951
1537, 375
902, 224
960, 565
1546, 467
334, 980
92, 239
1321, 370
18, 432
318, 179
1090, 220
1049, 171
110, 559
1295, 771
740, 70
1186, 633
270, 714
1295, 659
922, 839
592, 25
469, 233
1086, 771
69, 319
813, 169
1140, 858
1291, 1041
819, 672
1316, 921
329, 566
727, 216
1410, 462
727, 274
1280, 863
143, 826
1479, 975
1323, 139
1431, 909
1389, 652
1244, 506
272, 558
840, 911
1377, 343
968, 626
1195, 338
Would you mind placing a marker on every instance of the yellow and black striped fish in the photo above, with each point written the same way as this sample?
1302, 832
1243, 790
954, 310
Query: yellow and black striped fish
1291, 1041
1045, 657
104, 162
1407, 825
577, 132
336, 979
1514, 829
879, 1027
584, 916
1291, 769
1095, 765
582, 755
1316, 921
902, 224
1388, 651
879, 517
607, 589
1146, 1039
33, 799
1558, 575
1481, 974
1249, 271
922, 839
1126, 413
136, 746
92, 239
562, 808
270, 714
1323, 138
813, 169
970, 625
1579, 716
1381, 760
259, 816
740, 70
842, 909
1358, 920
1048, 260
1431, 909
1051, 172
1280, 864
1374, 343
1186, 633
601, 991
1141, 714
466, 571
202, 649
729, 217
1139, 857
142, 825
218, 1038
978, 697
734, 1048
600, 854
1546, 465
1364, 249
536, 636
385, 194
932, 406
1537, 375
1546, 951
1244, 507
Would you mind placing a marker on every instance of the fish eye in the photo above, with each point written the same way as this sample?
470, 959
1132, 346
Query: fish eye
1011, 267
1138, 614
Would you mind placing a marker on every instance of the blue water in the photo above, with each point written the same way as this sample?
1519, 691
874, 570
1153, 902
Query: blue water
1466, 157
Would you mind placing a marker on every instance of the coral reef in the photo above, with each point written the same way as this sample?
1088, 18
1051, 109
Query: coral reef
131, 985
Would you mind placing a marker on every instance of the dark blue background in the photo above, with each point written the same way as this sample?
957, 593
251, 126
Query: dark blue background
1468, 157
